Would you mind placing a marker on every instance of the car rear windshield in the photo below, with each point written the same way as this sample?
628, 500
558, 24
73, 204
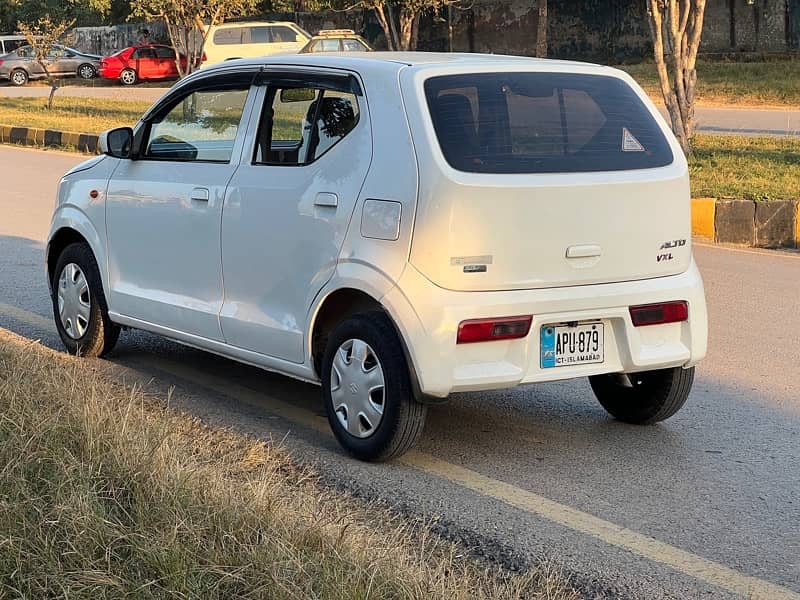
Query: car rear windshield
543, 123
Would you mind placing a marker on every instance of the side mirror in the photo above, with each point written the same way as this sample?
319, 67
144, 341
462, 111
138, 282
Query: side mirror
117, 142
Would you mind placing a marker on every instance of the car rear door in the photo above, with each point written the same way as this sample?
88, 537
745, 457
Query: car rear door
289, 206
164, 208
147, 66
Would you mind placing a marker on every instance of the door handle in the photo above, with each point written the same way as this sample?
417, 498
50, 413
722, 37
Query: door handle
199, 194
326, 199
584, 251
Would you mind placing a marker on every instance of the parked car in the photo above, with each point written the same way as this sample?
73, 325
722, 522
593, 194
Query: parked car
141, 63
228, 41
21, 65
336, 40
396, 229
9, 43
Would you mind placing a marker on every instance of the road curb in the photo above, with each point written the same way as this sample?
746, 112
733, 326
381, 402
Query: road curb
33, 136
774, 224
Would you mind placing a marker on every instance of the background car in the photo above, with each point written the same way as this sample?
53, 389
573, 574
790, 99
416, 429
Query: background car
9, 43
137, 63
250, 39
21, 65
336, 40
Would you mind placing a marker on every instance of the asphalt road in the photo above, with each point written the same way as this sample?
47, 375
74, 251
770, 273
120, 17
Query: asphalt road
742, 121
703, 505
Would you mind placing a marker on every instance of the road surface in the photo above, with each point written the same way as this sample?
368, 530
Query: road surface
703, 505
742, 121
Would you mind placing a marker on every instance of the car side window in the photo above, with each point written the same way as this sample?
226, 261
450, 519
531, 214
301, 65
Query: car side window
281, 34
300, 124
199, 127
144, 53
164, 52
327, 46
353, 46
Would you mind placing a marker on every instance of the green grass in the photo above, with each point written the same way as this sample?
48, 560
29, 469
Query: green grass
107, 493
81, 115
775, 83
751, 168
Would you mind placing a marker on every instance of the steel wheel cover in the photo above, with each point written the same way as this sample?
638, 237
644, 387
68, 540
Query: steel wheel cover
358, 388
74, 301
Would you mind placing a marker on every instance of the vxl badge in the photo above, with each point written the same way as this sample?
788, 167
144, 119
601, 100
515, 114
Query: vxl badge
665, 253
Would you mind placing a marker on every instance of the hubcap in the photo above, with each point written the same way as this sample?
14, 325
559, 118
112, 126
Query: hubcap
19, 78
358, 388
128, 77
87, 72
74, 302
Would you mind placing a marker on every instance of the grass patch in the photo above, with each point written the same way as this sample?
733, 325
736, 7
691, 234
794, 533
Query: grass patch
105, 492
774, 83
81, 115
752, 168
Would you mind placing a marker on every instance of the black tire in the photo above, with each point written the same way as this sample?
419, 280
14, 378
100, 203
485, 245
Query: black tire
403, 417
653, 397
128, 77
18, 77
101, 333
86, 71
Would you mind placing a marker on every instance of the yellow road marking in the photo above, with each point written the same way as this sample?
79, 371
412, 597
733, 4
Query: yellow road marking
615, 535
27, 317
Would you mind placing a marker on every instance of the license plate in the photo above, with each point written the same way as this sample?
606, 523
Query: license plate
571, 345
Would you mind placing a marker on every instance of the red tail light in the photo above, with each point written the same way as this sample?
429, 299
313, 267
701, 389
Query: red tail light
203, 57
487, 330
1, 61
658, 314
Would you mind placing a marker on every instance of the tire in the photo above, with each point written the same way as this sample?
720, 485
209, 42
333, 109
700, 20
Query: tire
86, 71
18, 77
79, 305
653, 397
128, 77
345, 384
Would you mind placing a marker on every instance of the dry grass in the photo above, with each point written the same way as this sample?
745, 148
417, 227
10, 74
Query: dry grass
774, 83
105, 492
753, 168
81, 115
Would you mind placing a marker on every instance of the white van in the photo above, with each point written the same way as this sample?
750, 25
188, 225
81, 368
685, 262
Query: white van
248, 40
395, 227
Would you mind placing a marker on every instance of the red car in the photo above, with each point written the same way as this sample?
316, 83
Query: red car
141, 63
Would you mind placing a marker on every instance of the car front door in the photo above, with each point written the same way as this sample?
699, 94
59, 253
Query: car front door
288, 207
164, 208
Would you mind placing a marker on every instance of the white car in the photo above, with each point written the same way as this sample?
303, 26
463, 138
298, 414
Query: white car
228, 41
396, 228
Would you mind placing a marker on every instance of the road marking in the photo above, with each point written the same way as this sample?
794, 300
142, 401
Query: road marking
27, 317
764, 252
615, 535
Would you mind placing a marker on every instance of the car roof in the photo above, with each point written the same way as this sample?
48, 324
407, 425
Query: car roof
251, 23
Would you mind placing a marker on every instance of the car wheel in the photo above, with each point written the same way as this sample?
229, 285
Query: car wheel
19, 77
127, 77
79, 305
643, 398
367, 389
86, 71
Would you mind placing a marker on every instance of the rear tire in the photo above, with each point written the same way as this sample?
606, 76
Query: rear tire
79, 304
653, 397
366, 388
128, 77
18, 77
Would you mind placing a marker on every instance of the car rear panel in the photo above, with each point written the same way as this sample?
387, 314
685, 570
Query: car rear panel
584, 192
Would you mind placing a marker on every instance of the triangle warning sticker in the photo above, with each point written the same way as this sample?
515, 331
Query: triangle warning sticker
630, 143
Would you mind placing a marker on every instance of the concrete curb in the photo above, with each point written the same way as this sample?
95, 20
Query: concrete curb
774, 224
32, 136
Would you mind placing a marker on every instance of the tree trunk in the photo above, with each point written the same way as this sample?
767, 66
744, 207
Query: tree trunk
384, 22
677, 25
541, 33
406, 26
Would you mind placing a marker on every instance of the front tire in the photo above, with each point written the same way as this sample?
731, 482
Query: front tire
86, 71
367, 389
18, 77
652, 396
79, 305
128, 77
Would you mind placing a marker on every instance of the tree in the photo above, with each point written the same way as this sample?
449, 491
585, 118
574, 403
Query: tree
188, 23
84, 12
42, 36
676, 27
541, 30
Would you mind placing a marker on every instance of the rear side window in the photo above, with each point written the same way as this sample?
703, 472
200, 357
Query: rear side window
543, 123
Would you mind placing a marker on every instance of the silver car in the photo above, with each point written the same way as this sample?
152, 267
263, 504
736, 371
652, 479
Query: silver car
21, 65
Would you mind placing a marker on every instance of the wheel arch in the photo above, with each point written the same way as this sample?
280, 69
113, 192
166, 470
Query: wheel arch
69, 233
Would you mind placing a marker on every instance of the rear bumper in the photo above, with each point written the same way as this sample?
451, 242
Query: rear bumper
428, 318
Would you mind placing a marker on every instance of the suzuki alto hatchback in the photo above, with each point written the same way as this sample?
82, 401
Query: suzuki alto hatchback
395, 228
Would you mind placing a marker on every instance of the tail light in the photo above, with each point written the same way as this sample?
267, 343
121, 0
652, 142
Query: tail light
487, 330
1, 61
203, 58
659, 314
